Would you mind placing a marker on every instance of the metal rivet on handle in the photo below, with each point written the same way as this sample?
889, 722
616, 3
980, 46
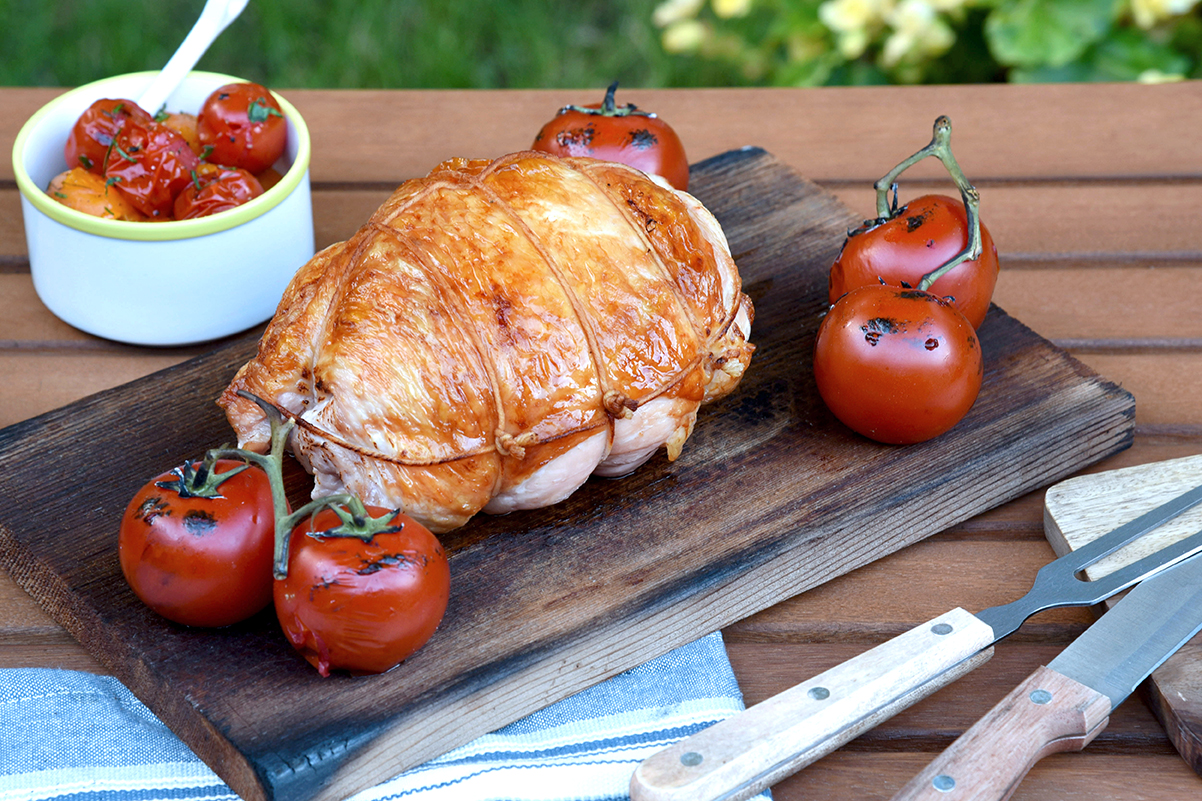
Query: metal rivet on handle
691, 759
819, 693
943, 783
1041, 697
942, 628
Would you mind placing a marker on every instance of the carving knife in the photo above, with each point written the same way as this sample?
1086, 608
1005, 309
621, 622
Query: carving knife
1063, 706
742, 755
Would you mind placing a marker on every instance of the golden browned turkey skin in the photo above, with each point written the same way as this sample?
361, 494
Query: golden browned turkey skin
498, 332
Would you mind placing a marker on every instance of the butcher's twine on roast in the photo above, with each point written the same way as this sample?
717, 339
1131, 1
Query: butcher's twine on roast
498, 332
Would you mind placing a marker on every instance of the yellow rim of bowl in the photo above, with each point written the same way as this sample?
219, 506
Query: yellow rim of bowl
171, 229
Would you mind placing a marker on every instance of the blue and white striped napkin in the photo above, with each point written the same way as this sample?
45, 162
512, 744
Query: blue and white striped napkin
70, 736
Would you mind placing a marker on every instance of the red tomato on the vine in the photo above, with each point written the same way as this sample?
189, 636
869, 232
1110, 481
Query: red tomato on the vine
623, 134
362, 606
88, 143
201, 557
897, 365
926, 233
214, 189
150, 164
242, 125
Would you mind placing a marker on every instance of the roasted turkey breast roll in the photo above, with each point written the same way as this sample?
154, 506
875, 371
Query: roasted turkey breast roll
498, 332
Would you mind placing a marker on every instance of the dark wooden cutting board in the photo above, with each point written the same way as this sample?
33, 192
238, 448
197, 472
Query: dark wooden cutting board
771, 497
1081, 509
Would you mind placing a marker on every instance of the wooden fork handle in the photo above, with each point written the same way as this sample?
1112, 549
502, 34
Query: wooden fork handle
740, 756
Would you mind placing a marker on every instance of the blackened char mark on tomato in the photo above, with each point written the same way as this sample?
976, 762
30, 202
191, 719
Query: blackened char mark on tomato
151, 508
577, 139
915, 221
642, 139
385, 561
917, 294
199, 522
877, 327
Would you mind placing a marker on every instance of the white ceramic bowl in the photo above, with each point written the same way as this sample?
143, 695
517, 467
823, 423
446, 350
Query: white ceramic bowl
165, 283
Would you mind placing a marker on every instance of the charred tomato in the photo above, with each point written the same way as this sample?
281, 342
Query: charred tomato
624, 134
363, 590
914, 241
897, 365
934, 243
196, 544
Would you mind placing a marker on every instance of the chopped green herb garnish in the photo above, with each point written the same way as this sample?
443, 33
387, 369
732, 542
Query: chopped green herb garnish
259, 111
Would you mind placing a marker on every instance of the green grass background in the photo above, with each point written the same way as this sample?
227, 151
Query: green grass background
355, 43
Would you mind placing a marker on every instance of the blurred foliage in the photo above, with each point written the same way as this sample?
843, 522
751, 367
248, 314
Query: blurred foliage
817, 42
589, 43
356, 43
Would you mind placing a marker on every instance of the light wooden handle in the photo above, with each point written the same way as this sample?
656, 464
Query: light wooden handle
740, 756
1045, 714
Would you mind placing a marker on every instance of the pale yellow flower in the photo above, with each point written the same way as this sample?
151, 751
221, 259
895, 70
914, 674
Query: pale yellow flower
672, 11
854, 23
847, 16
727, 9
852, 44
1156, 76
918, 31
684, 36
1148, 13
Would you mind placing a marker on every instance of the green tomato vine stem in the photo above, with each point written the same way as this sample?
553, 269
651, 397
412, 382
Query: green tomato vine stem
609, 107
940, 147
355, 519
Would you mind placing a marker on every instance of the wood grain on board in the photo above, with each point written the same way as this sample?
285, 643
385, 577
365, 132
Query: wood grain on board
1081, 509
770, 498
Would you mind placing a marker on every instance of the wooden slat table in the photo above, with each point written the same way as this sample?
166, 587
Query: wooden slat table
1091, 193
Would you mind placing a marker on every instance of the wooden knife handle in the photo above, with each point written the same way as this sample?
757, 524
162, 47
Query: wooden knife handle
740, 756
1047, 713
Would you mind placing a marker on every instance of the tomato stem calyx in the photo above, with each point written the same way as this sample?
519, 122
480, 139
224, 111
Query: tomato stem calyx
356, 521
608, 107
201, 481
940, 147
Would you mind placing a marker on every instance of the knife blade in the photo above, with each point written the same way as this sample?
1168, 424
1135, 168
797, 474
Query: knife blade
1063, 706
740, 756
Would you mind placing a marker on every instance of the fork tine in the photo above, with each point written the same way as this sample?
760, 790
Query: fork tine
1058, 584
1128, 575
1127, 533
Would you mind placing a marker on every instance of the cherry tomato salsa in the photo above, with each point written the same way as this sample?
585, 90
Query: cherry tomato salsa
174, 166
